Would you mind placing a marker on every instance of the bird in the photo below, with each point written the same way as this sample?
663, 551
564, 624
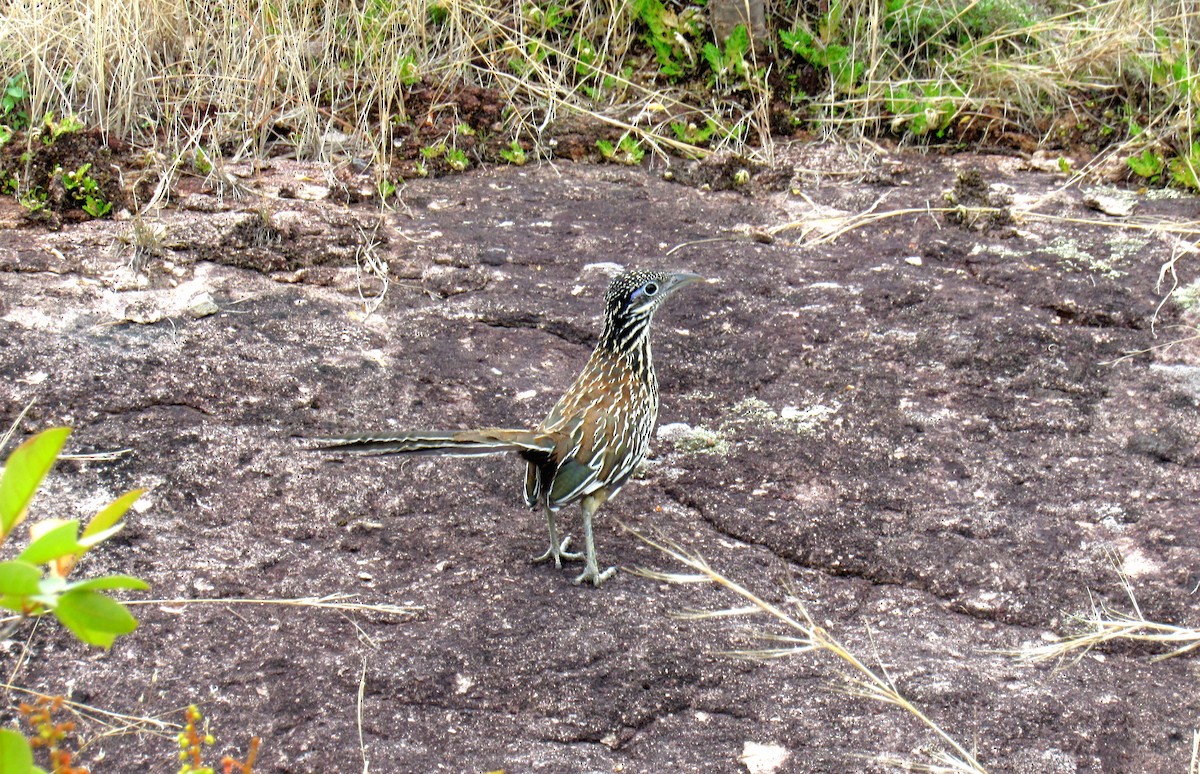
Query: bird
594, 437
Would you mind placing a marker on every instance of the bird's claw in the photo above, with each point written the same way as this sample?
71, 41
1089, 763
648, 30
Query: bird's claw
592, 573
559, 554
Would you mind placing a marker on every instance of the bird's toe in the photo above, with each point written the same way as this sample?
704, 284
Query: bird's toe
559, 554
593, 574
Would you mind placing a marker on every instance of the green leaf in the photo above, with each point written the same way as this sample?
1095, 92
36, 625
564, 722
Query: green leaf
1147, 163
1185, 169
15, 754
100, 537
110, 582
93, 617
737, 45
23, 474
18, 605
19, 579
798, 41
59, 541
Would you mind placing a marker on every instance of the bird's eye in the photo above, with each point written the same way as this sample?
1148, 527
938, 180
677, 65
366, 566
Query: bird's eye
650, 288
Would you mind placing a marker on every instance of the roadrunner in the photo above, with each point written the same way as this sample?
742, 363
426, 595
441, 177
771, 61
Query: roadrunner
593, 438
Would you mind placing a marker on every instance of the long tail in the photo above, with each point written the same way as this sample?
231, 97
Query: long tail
460, 443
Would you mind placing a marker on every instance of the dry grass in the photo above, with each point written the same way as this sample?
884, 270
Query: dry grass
342, 603
332, 77
113, 723
333, 80
805, 636
338, 602
1105, 624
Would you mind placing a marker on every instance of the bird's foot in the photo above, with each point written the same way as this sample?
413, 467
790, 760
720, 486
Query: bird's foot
559, 554
592, 573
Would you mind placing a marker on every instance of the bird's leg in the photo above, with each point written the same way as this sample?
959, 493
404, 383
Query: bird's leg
557, 551
591, 571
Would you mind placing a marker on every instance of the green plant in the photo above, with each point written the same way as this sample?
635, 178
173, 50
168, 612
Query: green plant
201, 162
35, 582
546, 17
692, 134
912, 26
587, 59
1185, 168
438, 15
627, 150
514, 154
84, 190
12, 102
192, 743
590, 71
729, 62
1171, 70
844, 70
32, 200
922, 109
386, 188
409, 73
53, 128
50, 734
457, 159
670, 35
1147, 164
15, 753
533, 53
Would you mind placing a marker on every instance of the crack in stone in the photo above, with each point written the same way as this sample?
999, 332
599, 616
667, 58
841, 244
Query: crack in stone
950, 603
638, 728
568, 332
123, 410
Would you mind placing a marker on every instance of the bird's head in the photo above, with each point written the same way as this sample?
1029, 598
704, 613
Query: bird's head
638, 293
631, 301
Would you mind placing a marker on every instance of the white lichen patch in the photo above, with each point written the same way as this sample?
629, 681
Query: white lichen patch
762, 758
610, 268
801, 419
1158, 194
806, 419
35, 319
1188, 296
1002, 251
1124, 247
694, 440
1118, 202
1074, 257
1135, 563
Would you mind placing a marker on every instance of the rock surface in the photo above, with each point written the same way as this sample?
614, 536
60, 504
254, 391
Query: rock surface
939, 457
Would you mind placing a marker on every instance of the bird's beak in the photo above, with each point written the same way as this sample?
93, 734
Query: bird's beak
680, 279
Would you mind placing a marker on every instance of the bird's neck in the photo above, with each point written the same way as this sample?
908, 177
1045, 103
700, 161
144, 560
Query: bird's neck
630, 343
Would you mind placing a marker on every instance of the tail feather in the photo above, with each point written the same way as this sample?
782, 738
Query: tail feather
459, 443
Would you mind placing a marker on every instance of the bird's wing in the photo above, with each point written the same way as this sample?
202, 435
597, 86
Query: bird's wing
579, 468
